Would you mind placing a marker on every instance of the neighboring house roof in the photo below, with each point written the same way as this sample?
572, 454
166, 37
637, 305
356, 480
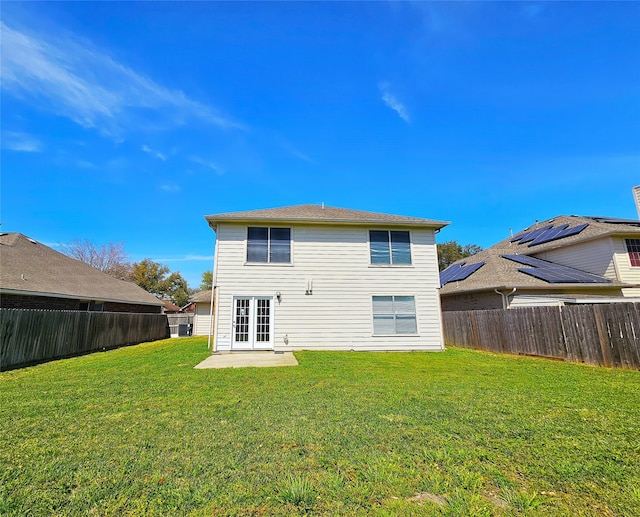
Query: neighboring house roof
169, 306
504, 265
201, 297
29, 267
320, 214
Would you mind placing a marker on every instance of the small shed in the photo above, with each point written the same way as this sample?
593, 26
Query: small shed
202, 313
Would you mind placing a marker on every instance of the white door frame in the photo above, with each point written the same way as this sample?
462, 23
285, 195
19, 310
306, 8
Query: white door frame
252, 331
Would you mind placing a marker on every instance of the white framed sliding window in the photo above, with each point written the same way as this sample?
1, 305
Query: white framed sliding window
394, 315
268, 245
390, 247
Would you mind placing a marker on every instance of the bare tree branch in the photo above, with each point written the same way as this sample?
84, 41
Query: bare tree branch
109, 258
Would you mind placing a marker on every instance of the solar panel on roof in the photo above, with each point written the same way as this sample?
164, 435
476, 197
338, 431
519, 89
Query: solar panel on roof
459, 271
555, 273
547, 234
530, 235
615, 220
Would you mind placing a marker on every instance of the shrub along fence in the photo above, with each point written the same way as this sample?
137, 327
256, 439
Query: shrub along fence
597, 334
32, 336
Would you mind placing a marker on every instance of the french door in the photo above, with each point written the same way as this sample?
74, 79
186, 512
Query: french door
252, 323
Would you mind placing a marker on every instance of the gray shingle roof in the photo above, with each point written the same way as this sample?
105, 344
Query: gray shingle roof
500, 272
320, 214
30, 267
201, 297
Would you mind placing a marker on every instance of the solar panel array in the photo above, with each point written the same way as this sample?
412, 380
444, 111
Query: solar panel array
458, 272
555, 273
547, 234
615, 220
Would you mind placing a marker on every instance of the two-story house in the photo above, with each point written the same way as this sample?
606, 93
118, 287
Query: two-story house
316, 277
564, 260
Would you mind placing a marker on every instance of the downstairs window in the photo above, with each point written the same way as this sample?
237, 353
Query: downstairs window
394, 315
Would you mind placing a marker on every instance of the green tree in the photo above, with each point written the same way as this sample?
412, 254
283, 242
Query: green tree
157, 279
176, 288
450, 252
207, 281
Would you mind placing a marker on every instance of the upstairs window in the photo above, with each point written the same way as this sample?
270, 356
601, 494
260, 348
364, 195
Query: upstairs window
633, 248
394, 315
390, 247
269, 245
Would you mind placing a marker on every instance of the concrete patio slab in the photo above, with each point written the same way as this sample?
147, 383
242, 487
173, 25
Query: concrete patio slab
245, 359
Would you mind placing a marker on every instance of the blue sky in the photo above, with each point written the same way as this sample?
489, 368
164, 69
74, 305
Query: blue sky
128, 122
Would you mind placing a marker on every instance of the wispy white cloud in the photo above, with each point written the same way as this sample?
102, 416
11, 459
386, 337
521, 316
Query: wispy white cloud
154, 153
290, 148
392, 102
71, 77
170, 187
23, 142
207, 163
85, 164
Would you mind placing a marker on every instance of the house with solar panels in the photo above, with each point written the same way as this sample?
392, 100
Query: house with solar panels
325, 278
565, 260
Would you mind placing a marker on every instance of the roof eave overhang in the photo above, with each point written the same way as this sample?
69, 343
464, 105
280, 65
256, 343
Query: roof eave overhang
436, 225
78, 297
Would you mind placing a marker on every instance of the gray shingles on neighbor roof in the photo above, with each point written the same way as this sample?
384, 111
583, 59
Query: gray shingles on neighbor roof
320, 214
30, 267
201, 297
500, 272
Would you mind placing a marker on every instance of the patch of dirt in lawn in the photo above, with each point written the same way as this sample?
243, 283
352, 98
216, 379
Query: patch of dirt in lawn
499, 502
426, 496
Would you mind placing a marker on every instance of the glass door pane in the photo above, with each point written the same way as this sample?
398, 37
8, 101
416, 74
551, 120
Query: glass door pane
242, 318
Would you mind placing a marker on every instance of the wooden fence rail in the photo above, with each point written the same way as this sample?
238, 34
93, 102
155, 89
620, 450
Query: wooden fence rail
32, 336
597, 334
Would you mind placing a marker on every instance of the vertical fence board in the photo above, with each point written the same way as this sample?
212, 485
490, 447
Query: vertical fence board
32, 336
597, 334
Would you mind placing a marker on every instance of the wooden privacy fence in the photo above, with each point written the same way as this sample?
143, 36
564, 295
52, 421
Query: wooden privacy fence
597, 334
32, 336
177, 322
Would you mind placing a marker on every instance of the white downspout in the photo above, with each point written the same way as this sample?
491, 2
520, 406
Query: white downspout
505, 297
213, 288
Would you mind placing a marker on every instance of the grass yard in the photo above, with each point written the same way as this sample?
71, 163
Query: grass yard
138, 431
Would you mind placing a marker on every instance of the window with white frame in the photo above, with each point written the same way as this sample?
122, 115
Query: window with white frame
394, 315
390, 247
268, 245
633, 248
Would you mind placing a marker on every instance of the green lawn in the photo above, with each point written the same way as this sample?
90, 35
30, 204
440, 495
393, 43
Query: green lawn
138, 431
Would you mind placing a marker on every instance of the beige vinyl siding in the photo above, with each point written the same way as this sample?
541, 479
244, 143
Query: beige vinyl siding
535, 301
593, 257
202, 319
338, 315
626, 272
